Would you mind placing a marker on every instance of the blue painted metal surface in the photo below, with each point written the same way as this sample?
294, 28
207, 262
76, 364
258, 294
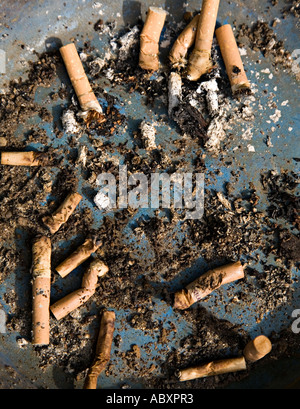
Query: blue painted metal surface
33, 23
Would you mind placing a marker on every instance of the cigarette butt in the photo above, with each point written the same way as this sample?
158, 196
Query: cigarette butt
213, 368
207, 283
232, 59
23, 158
79, 297
174, 91
79, 80
149, 39
257, 348
184, 41
103, 349
62, 214
41, 281
81, 254
200, 59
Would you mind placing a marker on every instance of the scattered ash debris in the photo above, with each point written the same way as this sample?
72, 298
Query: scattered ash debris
231, 228
284, 202
261, 37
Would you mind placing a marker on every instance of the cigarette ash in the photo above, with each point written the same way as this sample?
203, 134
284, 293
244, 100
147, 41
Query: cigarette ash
69, 123
261, 37
231, 228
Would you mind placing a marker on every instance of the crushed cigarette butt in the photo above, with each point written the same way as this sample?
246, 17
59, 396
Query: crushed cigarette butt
103, 349
207, 283
64, 306
149, 39
200, 59
184, 41
62, 214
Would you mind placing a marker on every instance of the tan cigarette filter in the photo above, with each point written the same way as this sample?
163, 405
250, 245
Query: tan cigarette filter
184, 41
232, 59
103, 349
62, 214
149, 39
200, 59
257, 348
207, 283
41, 282
81, 254
213, 368
79, 80
70, 302
21, 158
79, 297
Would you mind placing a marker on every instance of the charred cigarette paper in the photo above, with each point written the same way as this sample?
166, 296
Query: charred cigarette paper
149, 39
207, 283
103, 349
81, 254
77, 298
62, 214
41, 282
257, 348
23, 158
200, 59
213, 368
174, 91
232, 59
184, 41
79, 80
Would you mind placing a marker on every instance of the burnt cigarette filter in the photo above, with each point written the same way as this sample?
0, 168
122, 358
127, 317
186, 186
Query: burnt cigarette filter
62, 214
207, 283
103, 349
23, 158
81, 254
232, 59
200, 59
257, 348
184, 41
149, 39
79, 79
41, 282
213, 368
77, 298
